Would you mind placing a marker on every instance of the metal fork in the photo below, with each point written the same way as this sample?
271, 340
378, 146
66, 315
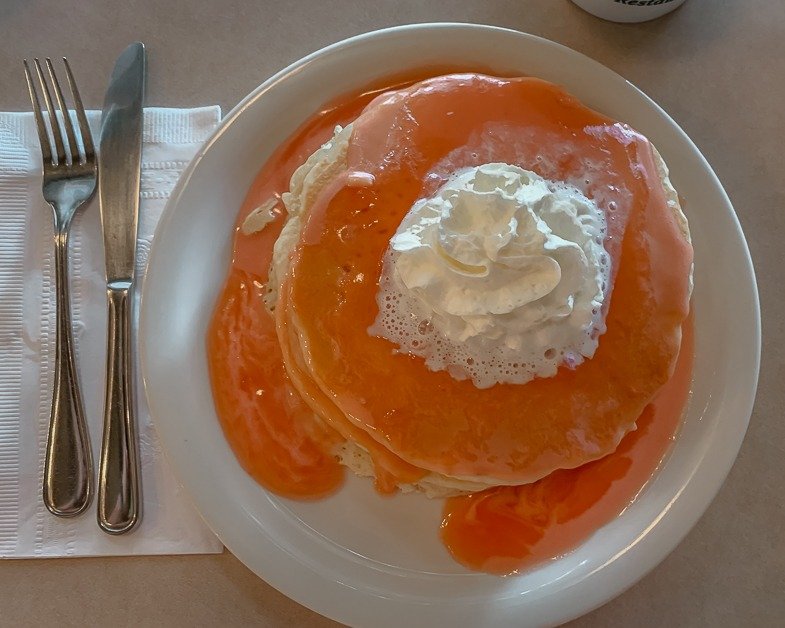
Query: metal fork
69, 181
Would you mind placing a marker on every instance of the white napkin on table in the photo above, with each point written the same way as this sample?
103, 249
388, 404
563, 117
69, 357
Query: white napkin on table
169, 524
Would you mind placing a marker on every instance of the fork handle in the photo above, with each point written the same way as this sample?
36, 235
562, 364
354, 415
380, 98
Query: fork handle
118, 478
68, 470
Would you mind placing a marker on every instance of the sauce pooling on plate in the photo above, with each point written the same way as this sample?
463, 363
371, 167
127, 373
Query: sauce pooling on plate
504, 530
280, 442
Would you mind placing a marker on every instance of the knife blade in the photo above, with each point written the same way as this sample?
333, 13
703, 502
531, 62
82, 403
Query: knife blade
119, 162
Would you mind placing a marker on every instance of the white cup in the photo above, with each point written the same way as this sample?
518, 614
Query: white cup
628, 10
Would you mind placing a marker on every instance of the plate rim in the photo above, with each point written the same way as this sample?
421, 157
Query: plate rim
586, 602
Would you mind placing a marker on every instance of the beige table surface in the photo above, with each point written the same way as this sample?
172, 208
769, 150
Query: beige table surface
717, 66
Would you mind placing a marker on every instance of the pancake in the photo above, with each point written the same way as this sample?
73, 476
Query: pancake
314, 191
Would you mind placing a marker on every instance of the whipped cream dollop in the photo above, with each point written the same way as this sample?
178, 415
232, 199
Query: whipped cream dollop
500, 276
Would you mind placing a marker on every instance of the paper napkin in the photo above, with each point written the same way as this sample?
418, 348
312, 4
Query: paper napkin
169, 524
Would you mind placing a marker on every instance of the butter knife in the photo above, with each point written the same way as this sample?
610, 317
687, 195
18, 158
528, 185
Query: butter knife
118, 190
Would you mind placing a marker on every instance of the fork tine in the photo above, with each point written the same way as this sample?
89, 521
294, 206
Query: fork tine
56, 131
43, 137
87, 138
69, 127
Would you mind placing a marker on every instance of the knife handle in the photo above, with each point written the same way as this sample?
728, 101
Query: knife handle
68, 470
118, 478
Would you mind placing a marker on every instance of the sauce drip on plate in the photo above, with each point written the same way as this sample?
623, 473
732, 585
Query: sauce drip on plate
504, 530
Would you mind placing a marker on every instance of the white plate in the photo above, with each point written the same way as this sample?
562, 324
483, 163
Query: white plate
366, 560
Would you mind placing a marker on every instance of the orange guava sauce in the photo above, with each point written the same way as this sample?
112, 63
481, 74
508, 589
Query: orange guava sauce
279, 442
